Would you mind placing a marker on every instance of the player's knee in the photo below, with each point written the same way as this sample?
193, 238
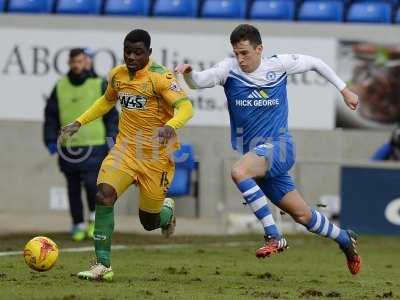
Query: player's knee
239, 173
106, 195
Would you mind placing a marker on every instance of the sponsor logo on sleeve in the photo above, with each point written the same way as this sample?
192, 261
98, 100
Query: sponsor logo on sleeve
175, 87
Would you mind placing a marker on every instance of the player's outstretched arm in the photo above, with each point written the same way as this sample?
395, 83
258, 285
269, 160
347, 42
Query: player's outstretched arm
296, 63
204, 79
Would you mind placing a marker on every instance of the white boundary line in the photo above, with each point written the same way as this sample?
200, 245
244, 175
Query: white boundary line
147, 247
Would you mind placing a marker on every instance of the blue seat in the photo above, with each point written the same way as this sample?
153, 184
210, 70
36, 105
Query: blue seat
127, 7
185, 164
392, 2
322, 11
2, 5
223, 9
81, 7
397, 17
370, 12
272, 10
175, 8
30, 6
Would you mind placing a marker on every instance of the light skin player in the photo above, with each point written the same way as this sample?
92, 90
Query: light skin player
148, 94
255, 88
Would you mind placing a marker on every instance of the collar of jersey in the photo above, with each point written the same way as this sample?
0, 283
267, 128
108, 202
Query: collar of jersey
143, 72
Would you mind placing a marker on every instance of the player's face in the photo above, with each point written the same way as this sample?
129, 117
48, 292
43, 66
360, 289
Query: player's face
248, 56
136, 55
77, 64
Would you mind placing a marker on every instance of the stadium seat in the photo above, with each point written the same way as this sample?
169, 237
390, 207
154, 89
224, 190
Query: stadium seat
30, 6
392, 2
322, 11
272, 10
370, 12
223, 9
2, 5
127, 7
82, 7
175, 8
397, 18
185, 165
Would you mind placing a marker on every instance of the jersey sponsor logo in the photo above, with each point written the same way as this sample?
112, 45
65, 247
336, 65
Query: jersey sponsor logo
257, 102
258, 94
257, 98
175, 87
130, 101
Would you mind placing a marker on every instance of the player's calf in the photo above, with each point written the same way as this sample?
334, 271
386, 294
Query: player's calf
165, 220
149, 221
321, 225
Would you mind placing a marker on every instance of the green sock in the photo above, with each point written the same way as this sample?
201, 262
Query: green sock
165, 216
103, 229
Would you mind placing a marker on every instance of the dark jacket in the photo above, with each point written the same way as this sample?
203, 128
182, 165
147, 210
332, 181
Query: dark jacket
77, 159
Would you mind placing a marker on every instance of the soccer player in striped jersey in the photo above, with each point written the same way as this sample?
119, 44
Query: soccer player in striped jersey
255, 88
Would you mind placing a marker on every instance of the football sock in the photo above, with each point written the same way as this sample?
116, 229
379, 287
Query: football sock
320, 225
165, 216
103, 229
257, 201
92, 216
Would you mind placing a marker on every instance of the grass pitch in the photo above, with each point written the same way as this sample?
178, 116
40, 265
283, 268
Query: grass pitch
208, 268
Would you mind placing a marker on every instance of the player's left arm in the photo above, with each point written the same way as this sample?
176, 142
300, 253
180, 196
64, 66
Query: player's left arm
170, 90
297, 63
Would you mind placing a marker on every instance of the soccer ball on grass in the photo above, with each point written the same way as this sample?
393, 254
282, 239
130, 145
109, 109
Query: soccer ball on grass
40, 253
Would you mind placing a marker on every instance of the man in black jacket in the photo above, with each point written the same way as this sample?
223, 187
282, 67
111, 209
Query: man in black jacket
80, 157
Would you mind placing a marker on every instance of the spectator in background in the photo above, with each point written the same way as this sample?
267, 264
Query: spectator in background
89, 62
391, 149
80, 157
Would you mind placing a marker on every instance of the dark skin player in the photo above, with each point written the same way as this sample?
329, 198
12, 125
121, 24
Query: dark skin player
136, 57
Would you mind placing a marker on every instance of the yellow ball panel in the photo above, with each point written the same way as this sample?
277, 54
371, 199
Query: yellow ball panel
40, 253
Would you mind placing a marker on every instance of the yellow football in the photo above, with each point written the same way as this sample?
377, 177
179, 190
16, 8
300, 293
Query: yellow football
40, 253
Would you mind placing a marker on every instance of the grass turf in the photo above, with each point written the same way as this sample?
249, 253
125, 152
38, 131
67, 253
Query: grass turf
313, 268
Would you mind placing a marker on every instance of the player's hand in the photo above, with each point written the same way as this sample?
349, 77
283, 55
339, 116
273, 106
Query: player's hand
69, 130
184, 69
165, 133
350, 98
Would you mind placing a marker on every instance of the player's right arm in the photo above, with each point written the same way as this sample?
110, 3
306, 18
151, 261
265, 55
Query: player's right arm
205, 79
102, 106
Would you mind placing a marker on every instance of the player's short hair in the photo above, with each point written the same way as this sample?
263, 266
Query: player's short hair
139, 35
74, 52
246, 32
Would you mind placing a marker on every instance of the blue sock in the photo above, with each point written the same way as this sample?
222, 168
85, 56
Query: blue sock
256, 199
320, 225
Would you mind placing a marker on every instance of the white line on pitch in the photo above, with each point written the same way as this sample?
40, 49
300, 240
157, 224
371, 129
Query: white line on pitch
147, 247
